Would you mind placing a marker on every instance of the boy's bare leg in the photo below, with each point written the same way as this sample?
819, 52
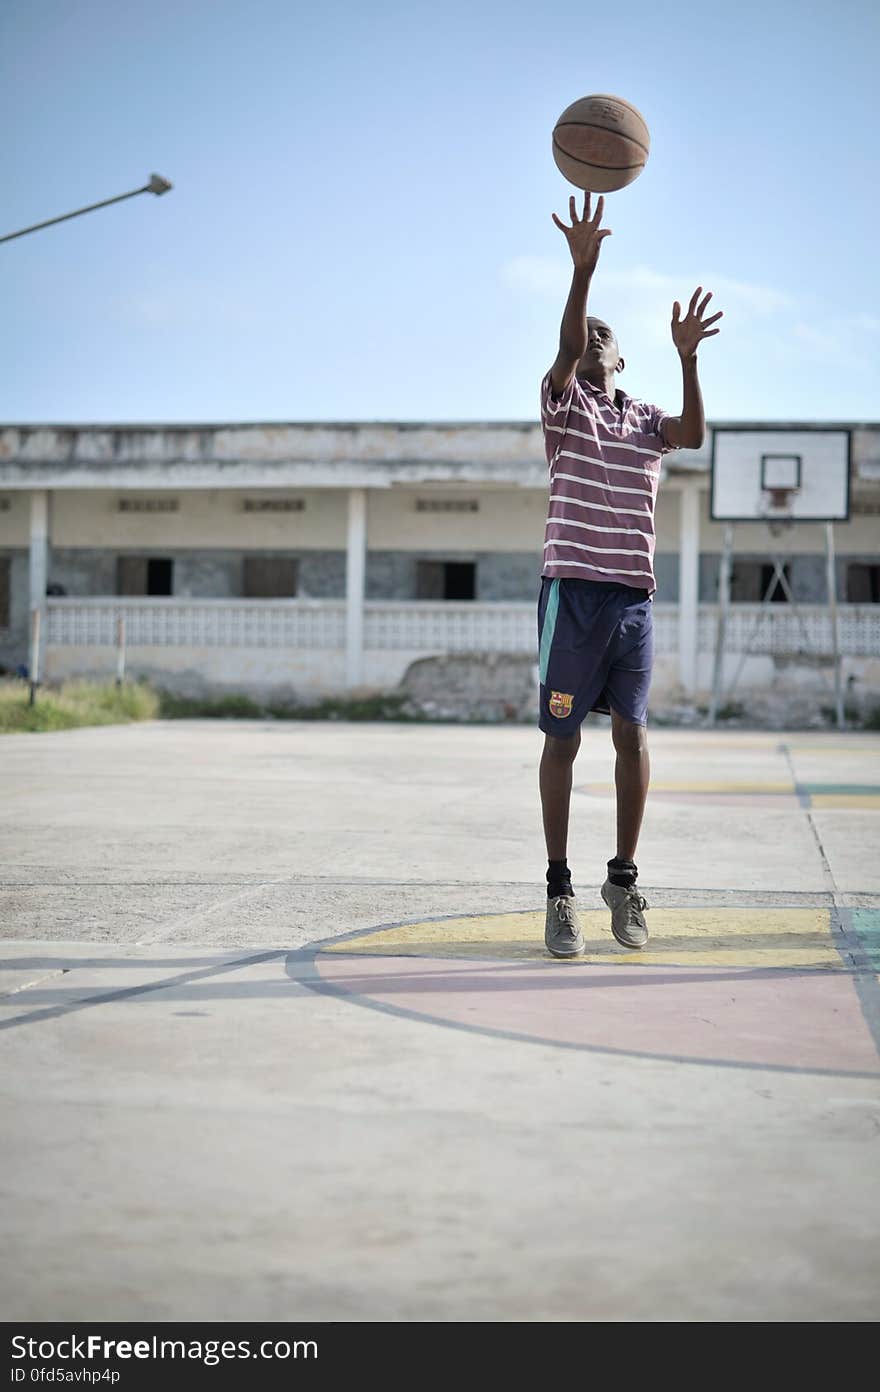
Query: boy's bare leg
562, 931
557, 762
632, 772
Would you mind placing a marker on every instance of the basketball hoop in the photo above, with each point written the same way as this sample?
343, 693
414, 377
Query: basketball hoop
780, 498
780, 476
777, 508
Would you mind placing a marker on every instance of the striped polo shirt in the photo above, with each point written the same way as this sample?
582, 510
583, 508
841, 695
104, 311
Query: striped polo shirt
604, 459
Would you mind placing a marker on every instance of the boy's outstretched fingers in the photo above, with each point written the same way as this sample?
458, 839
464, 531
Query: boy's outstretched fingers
688, 333
584, 236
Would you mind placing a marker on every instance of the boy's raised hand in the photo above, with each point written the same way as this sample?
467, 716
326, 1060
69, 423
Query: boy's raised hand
689, 332
584, 236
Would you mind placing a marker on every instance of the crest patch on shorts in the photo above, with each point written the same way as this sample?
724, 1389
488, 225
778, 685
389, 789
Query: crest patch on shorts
560, 704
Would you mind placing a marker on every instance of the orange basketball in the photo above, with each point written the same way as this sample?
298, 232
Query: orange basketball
601, 143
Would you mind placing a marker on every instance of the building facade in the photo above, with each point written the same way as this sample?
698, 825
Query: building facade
307, 559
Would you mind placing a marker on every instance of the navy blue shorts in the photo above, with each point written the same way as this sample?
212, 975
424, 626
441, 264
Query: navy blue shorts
596, 652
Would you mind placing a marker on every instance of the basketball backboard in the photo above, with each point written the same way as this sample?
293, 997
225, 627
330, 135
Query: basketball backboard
753, 469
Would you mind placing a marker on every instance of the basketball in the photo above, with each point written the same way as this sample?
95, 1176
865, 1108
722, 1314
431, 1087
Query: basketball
601, 143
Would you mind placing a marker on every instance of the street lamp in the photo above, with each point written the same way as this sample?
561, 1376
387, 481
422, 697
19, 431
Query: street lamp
156, 185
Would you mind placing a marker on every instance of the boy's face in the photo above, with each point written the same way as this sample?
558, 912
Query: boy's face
603, 353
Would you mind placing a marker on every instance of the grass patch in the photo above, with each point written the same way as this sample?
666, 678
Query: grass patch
732, 710
382, 706
79, 702
377, 707
228, 707
854, 717
72, 704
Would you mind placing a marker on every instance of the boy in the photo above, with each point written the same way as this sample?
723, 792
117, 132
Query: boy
595, 624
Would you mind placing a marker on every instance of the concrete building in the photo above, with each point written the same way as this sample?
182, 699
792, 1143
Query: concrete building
305, 559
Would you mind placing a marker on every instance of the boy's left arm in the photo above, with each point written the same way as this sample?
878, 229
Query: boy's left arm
689, 429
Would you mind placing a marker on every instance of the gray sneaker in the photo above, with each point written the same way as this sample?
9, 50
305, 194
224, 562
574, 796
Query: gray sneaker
627, 920
562, 931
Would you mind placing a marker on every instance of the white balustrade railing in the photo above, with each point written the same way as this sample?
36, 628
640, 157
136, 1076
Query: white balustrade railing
449, 626
430, 626
198, 623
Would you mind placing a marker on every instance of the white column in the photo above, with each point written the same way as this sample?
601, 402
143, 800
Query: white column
831, 572
39, 573
688, 586
721, 629
355, 571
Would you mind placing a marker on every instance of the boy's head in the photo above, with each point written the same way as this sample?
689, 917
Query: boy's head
602, 357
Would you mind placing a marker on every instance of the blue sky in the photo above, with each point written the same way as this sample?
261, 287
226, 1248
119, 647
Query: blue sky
360, 222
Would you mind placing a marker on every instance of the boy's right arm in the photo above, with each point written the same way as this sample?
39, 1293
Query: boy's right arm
584, 241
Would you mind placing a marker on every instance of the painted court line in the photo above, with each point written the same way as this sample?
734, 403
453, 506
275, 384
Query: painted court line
54, 1012
795, 1018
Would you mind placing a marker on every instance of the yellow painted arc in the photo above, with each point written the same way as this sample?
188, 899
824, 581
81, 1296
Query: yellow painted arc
692, 936
660, 785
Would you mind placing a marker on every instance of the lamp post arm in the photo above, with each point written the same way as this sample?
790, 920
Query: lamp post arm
157, 185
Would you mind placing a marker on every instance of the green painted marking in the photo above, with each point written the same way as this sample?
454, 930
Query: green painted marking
866, 924
548, 630
848, 789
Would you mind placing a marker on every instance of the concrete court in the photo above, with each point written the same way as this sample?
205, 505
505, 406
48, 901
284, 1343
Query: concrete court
280, 1041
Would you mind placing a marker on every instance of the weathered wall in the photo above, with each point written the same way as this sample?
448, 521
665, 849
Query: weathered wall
770, 691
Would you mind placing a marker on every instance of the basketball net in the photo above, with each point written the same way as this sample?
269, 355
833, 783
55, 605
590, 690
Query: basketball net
777, 509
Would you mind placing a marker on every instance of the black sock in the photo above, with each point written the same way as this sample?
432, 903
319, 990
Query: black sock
558, 879
622, 872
